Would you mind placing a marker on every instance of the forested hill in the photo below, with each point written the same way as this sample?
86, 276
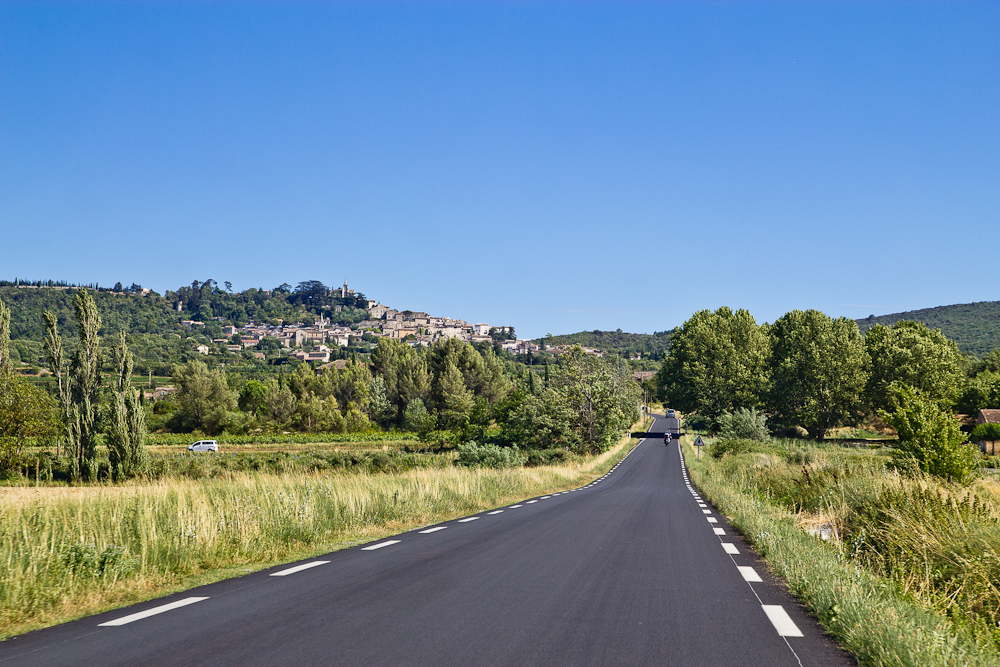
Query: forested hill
128, 309
975, 327
626, 344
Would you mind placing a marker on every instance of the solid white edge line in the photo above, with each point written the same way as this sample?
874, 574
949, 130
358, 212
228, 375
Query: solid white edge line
730, 548
471, 518
749, 573
150, 612
380, 545
299, 568
432, 530
781, 621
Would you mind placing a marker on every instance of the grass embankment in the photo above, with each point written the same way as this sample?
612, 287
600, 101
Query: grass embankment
67, 552
910, 575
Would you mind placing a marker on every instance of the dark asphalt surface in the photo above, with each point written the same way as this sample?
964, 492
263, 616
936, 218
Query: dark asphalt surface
626, 571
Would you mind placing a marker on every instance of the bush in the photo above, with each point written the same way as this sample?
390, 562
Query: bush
743, 424
475, 455
697, 422
987, 432
731, 446
544, 457
929, 438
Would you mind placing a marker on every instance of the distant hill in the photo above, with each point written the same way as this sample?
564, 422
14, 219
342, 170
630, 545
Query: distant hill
652, 346
975, 327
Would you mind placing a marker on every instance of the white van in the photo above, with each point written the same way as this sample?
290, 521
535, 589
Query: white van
204, 446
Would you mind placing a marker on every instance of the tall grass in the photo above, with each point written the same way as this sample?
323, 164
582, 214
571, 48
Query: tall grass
67, 552
910, 576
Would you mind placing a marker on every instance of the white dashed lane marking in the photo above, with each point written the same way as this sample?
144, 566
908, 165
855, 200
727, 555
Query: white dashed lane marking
299, 568
496, 512
719, 531
730, 548
433, 530
530, 501
514, 507
151, 612
471, 518
706, 511
749, 573
380, 545
781, 621
712, 519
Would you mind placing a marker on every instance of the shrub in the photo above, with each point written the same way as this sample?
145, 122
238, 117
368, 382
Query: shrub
697, 422
730, 446
743, 424
541, 457
929, 438
987, 432
472, 455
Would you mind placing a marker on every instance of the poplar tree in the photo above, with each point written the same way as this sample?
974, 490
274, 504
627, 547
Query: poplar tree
86, 383
5, 365
126, 437
57, 365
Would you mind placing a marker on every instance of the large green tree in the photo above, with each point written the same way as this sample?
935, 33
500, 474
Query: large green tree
204, 397
818, 371
912, 354
26, 413
718, 361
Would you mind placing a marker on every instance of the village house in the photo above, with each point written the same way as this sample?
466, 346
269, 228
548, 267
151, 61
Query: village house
988, 417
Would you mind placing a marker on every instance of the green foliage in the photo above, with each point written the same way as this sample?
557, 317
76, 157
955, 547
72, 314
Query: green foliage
204, 398
474, 455
743, 423
623, 344
725, 446
929, 438
975, 327
85, 372
986, 432
717, 363
818, 370
26, 413
912, 354
5, 360
126, 435
981, 392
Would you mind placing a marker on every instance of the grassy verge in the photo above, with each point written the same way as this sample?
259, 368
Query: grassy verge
872, 609
67, 552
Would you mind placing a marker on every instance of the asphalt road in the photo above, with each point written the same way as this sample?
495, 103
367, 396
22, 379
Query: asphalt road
630, 570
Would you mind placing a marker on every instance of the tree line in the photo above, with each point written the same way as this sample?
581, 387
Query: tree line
451, 392
812, 371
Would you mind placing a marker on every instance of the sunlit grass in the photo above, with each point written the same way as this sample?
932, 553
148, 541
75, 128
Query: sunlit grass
67, 552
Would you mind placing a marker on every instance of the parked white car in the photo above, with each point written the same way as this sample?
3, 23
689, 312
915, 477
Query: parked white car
204, 446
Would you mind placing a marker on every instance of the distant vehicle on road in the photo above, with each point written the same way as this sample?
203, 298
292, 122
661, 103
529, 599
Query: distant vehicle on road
204, 446
671, 413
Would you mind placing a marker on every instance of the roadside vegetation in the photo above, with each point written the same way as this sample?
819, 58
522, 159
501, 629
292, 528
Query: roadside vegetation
70, 551
902, 567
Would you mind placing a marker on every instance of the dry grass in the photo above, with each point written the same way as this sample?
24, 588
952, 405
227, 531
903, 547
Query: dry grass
67, 552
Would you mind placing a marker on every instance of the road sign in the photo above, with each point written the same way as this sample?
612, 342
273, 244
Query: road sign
699, 442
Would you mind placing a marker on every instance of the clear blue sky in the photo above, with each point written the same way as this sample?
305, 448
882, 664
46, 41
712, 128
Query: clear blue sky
553, 166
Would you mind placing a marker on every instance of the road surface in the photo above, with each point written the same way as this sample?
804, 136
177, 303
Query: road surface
633, 569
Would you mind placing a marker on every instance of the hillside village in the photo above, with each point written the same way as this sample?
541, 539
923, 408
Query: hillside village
313, 341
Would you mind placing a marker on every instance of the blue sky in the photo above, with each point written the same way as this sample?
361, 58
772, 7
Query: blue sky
553, 166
